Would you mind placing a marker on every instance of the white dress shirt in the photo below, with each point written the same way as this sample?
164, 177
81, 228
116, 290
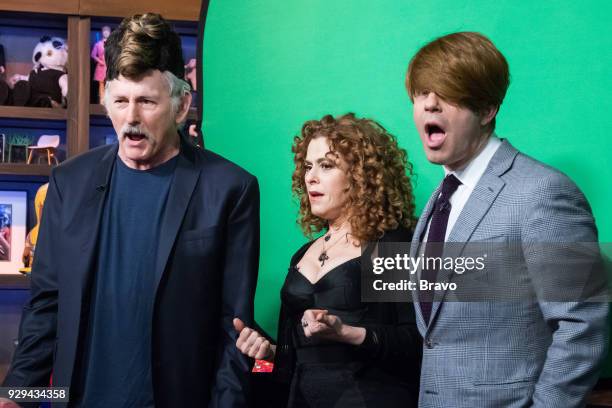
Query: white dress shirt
469, 176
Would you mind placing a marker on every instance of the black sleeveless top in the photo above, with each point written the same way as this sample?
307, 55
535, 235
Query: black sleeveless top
392, 347
338, 291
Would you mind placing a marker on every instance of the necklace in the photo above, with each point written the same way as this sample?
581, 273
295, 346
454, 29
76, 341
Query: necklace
323, 256
329, 231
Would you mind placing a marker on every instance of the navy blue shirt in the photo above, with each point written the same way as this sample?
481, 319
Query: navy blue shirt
117, 365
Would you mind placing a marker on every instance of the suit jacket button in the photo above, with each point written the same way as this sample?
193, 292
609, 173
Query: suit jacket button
429, 343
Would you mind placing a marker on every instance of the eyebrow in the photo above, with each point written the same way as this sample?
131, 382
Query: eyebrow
139, 97
321, 159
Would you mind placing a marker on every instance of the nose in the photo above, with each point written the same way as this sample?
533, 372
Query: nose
133, 115
432, 102
311, 177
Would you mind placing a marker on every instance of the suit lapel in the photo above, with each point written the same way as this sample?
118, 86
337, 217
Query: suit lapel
472, 214
91, 211
478, 204
83, 233
186, 176
419, 231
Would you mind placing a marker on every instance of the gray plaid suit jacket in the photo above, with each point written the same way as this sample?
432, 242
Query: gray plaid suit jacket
520, 353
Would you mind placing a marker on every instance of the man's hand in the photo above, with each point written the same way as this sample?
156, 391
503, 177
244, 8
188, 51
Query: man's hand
5, 403
253, 344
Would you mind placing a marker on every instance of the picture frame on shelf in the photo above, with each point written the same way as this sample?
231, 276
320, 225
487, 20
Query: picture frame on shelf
13, 217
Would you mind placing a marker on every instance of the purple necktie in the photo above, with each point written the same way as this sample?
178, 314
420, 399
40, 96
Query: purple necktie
437, 235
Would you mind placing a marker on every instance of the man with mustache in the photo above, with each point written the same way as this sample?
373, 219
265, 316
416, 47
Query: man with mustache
148, 249
533, 341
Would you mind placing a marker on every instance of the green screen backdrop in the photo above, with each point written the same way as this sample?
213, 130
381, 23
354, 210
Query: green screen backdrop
270, 65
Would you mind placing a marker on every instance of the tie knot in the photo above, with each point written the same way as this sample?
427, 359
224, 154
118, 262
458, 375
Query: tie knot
449, 185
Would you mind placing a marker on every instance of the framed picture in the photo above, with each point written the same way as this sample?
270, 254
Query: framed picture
13, 210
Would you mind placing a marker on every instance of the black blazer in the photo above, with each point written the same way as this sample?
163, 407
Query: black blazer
392, 347
206, 274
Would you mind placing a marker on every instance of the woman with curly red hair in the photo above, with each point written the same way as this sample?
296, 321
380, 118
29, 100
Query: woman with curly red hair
351, 181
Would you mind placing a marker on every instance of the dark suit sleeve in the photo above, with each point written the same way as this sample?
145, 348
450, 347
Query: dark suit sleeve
284, 358
33, 359
393, 341
239, 282
397, 347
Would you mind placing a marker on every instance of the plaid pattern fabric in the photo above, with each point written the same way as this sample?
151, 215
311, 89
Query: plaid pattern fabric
514, 353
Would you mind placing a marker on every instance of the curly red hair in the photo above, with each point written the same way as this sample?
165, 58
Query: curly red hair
380, 198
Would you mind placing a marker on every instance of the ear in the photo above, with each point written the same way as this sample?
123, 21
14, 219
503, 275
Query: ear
183, 110
487, 115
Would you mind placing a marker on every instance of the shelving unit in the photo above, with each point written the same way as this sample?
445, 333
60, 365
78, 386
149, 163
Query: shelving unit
23, 112
80, 123
75, 18
78, 16
23, 169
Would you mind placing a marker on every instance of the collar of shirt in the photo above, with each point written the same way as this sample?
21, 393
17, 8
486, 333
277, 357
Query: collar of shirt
469, 177
471, 173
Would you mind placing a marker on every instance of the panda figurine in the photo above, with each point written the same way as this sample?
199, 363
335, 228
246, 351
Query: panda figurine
47, 83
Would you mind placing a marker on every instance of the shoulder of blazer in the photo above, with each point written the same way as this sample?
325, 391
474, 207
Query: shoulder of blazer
215, 164
86, 160
526, 169
79, 170
503, 159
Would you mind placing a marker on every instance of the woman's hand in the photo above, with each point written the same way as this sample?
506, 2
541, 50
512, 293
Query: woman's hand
253, 344
319, 323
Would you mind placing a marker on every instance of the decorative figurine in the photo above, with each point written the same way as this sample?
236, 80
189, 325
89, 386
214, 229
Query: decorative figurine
97, 54
47, 83
32, 237
191, 74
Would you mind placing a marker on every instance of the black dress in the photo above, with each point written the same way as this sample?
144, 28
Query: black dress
383, 372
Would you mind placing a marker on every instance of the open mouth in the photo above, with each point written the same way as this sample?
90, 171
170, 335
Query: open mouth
435, 134
135, 136
315, 194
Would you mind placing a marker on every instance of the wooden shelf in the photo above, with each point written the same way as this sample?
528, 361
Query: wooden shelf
42, 6
97, 110
22, 112
25, 169
14, 281
188, 11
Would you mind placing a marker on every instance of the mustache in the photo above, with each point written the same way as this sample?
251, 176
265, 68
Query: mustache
134, 130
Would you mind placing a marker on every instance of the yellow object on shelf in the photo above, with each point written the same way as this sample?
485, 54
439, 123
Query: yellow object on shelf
25, 271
